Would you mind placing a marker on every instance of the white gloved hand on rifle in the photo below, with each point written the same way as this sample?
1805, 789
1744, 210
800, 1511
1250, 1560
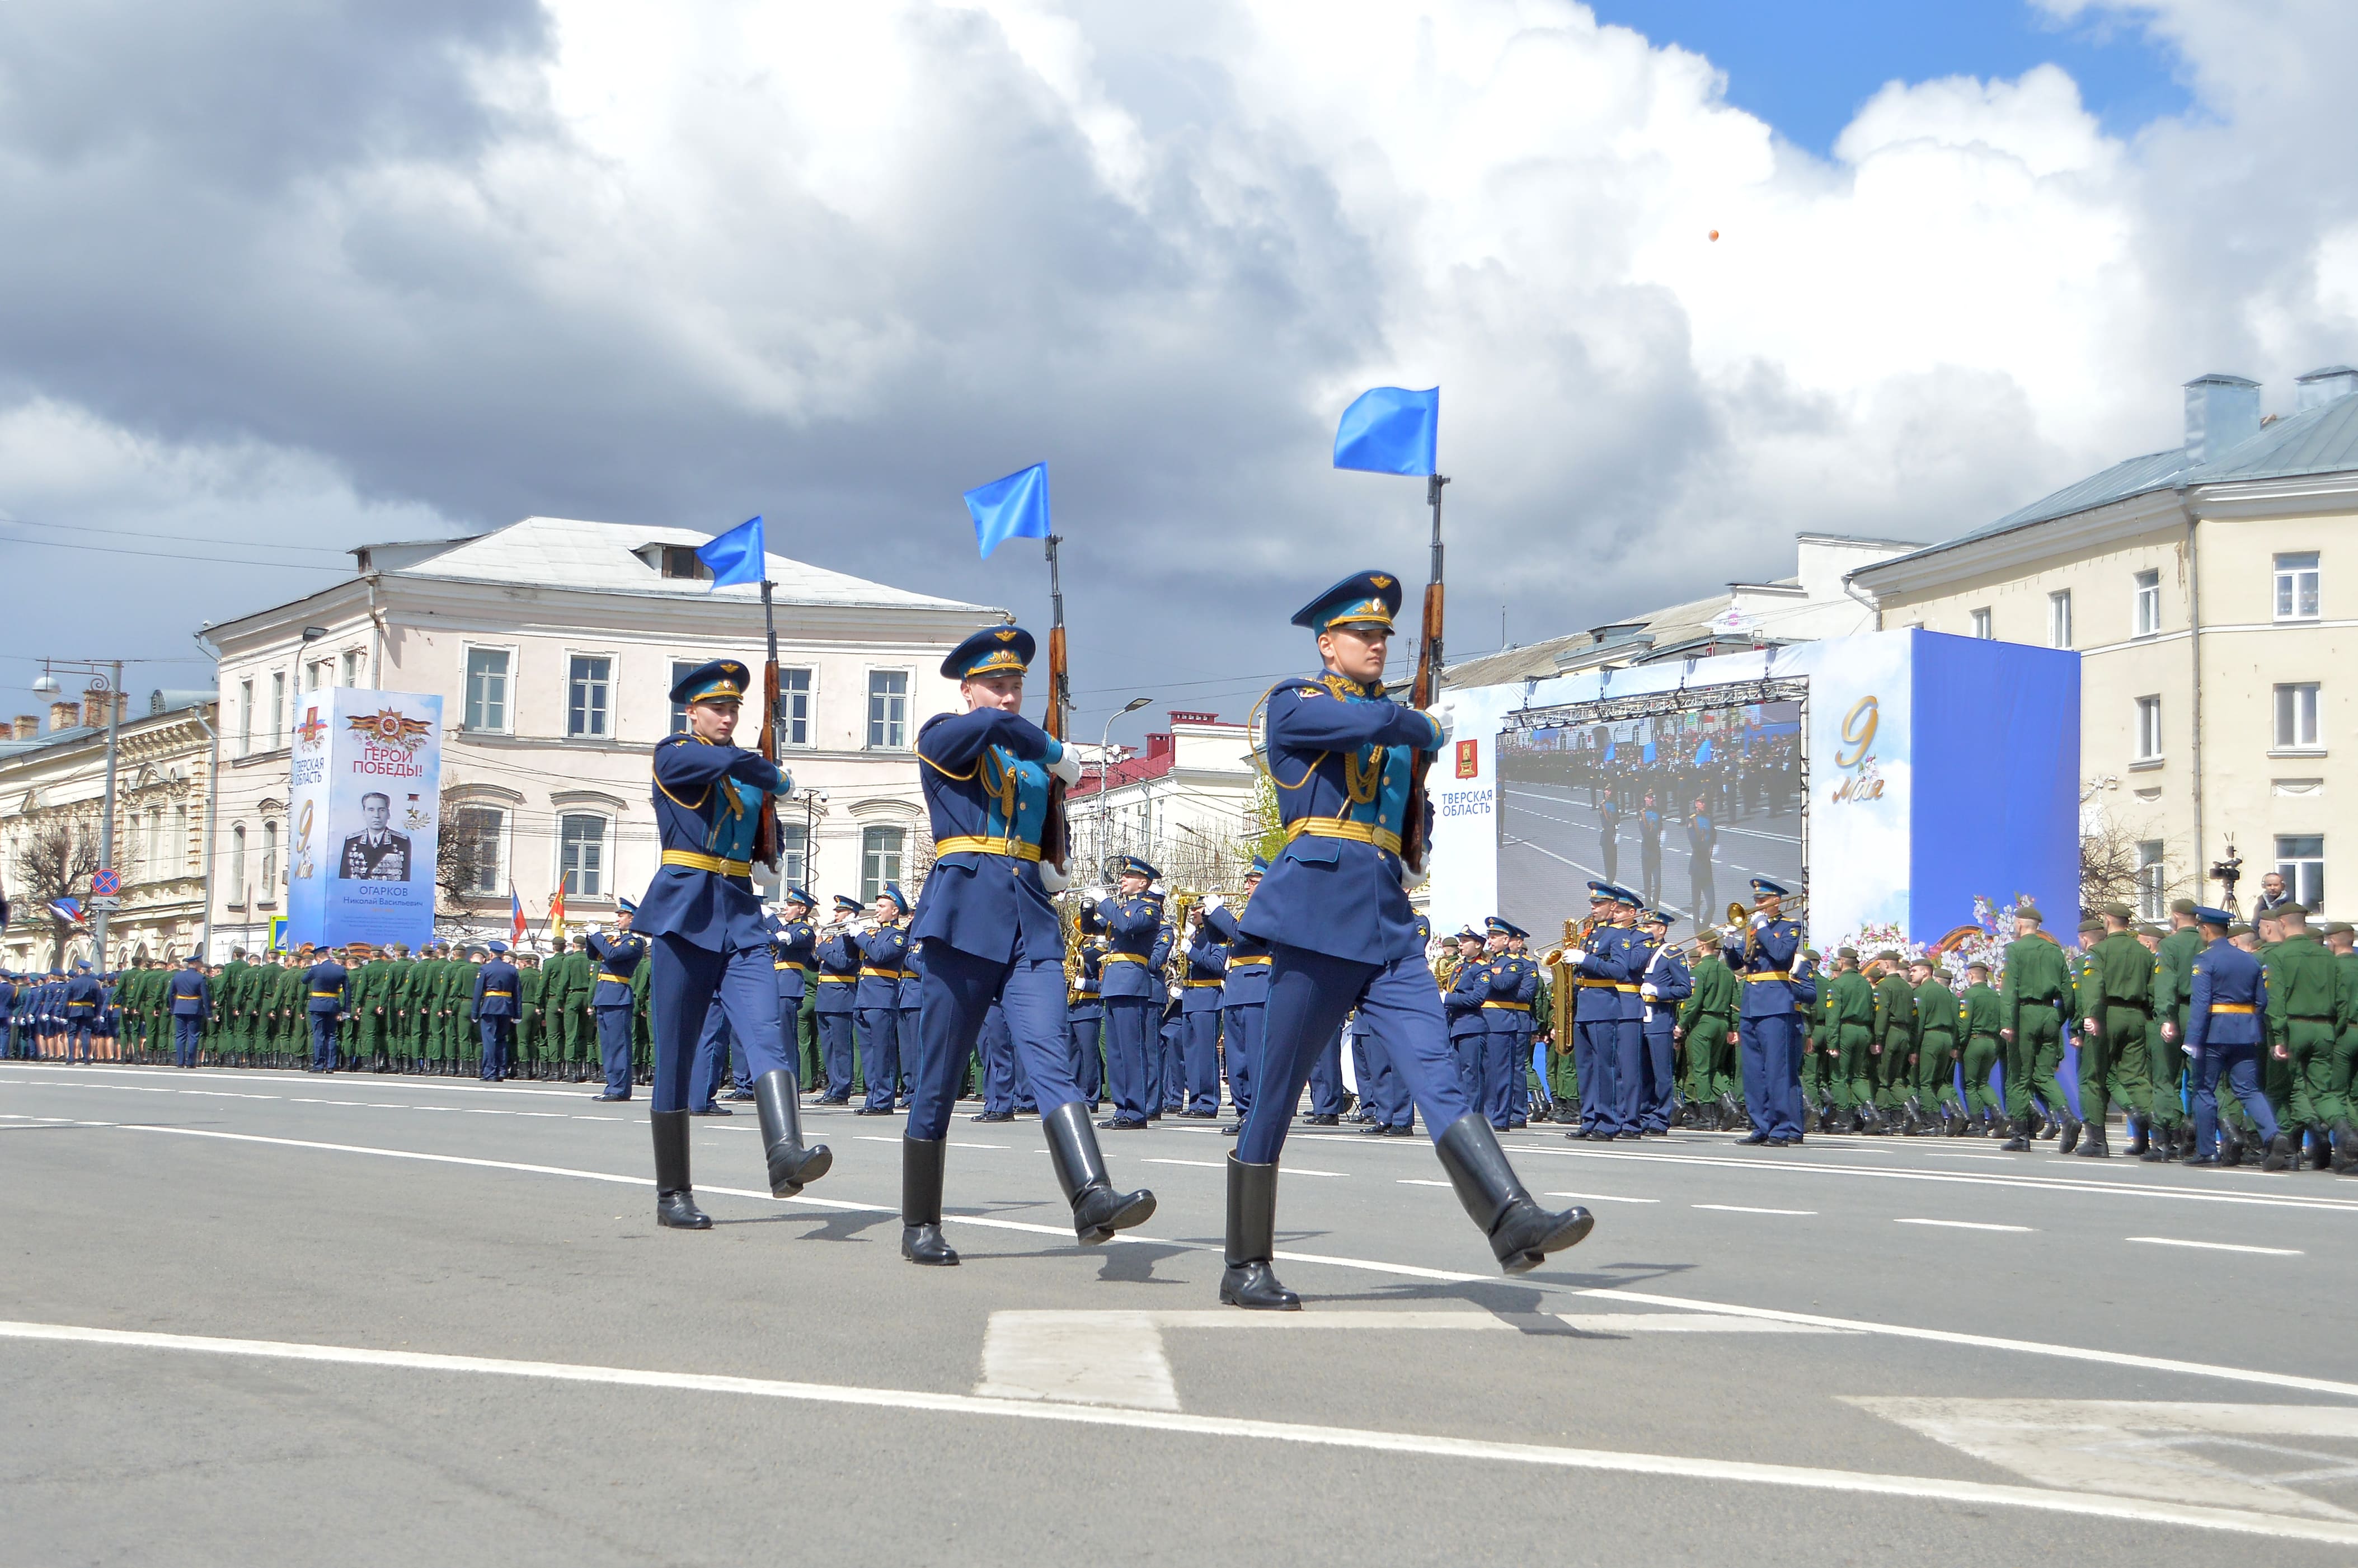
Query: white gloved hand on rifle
1067, 767
1442, 715
1052, 879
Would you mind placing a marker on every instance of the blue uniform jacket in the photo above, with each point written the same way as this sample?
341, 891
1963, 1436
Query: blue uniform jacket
495, 989
1766, 976
189, 994
1601, 969
1468, 990
617, 957
985, 789
327, 987
1514, 981
912, 978
707, 802
1132, 925
838, 972
1637, 952
1340, 755
880, 966
81, 998
793, 951
1207, 968
2228, 1003
1081, 1004
1672, 983
1248, 958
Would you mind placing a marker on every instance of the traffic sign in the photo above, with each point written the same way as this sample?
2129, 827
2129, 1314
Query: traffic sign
104, 882
102, 900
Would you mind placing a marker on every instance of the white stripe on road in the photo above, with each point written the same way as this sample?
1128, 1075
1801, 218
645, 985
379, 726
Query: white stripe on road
1223, 1164
1599, 1197
2218, 1246
1712, 1471
1742, 1208
1419, 1182
1960, 1224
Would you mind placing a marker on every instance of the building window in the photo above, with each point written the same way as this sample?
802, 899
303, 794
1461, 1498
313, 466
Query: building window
681, 561
585, 702
581, 854
2300, 861
2149, 730
794, 708
2059, 619
487, 688
315, 675
2296, 586
679, 672
880, 861
793, 853
278, 708
268, 891
1982, 625
476, 832
352, 666
244, 717
2296, 728
2148, 603
2151, 882
888, 710
153, 859
237, 865
180, 836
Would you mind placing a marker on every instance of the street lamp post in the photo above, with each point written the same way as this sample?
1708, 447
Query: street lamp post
1105, 769
105, 677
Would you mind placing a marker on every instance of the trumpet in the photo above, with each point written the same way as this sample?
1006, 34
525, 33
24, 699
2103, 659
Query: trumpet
1791, 906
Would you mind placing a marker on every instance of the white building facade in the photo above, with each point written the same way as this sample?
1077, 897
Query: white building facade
554, 644
1189, 803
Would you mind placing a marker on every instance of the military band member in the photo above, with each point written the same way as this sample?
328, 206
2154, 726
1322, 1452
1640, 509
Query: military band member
1662, 985
327, 990
878, 999
1132, 991
1083, 1013
1600, 967
1243, 993
838, 985
1497, 1088
1333, 909
990, 934
617, 957
1199, 1015
1461, 1004
706, 937
1761, 953
188, 995
1629, 1038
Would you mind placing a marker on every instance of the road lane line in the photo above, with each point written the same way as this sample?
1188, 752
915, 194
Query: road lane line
1744, 1208
1599, 1197
1711, 1471
2218, 1246
1960, 1224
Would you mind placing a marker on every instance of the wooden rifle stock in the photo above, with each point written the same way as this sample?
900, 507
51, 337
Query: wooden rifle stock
766, 837
1055, 833
1421, 695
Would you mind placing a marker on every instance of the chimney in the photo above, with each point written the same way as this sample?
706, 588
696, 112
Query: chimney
2320, 387
29, 726
1157, 743
1182, 715
64, 716
2221, 412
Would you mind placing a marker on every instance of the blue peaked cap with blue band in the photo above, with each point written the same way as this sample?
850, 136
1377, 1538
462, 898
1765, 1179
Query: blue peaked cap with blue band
847, 904
798, 895
1137, 866
994, 651
892, 891
1363, 598
721, 678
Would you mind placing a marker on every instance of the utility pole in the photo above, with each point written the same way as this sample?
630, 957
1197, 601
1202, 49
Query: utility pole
106, 686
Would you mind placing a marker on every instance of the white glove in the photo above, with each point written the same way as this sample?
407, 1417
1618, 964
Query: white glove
1094, 893
1067, 767
1411, 880
1759, 919
1054, 879
1442, 713
1211, 902
1648, 991
1174, 991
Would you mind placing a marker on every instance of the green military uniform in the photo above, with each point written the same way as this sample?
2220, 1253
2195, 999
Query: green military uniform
1704, 1019
1850, 998
580, 985
1982, 1050
371, 995
2345, 1054
642, 1036
531, 1025
2115, 1007
2031, 1002
1938, 1014
466, 1037
2275, 1071
433, 983
2305, 1019
2173, 989
1894, 1038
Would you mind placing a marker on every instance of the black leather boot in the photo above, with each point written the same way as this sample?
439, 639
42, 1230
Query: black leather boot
2018, 1136
2345, 1148
675, 1200
1098, 1210
2281, 1154
1522, 1233
2231, 1146
2140, 1139
779, 1104
1248, 1281
2092, 1144
2070, 1139
921, 1202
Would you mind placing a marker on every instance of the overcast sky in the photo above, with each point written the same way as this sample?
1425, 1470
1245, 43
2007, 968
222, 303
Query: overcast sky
278, 280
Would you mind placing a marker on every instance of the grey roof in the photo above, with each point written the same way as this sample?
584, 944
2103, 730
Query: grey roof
2323, 439
173, 702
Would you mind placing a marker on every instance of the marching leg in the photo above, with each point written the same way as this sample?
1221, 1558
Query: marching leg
1247, 1280
675, 1198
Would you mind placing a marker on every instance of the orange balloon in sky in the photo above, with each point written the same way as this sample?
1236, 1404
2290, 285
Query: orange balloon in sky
1715, 233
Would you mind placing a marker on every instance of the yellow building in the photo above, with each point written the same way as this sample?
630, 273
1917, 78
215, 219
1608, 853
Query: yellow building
2211, 590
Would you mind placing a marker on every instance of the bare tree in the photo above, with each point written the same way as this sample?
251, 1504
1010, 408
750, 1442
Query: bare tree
59, 858
2108, 864
460, 855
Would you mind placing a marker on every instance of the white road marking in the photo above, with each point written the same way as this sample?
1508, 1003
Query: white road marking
1419, 1182
1205, 1165
1960, 1224
1599, 1197
873, 1138
1370, 1265
1742, 1208
2218, 1246
1712, 1471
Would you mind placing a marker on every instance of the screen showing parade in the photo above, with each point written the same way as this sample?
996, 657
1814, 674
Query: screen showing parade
1685, 806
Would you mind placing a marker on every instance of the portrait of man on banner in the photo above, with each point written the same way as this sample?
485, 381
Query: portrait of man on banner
376, 853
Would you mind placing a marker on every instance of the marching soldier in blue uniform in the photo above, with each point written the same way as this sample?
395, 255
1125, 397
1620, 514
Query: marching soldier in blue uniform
1243, 993
877, 1001
327, 988
706, 940
2226, 1031
617, 957
1131, 987
1600, 967
838, 984
1165, 1073
1761, 952
989, 934
1629, 1061
1469, 1031
83, 995
495, 1009
1335, 911
1662, 984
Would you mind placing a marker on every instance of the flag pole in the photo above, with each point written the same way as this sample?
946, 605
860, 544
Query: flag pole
1055, 833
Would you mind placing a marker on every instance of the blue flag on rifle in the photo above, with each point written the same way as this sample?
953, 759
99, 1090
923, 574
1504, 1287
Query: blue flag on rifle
1016, 507
1391, 430
67, 909
737, 556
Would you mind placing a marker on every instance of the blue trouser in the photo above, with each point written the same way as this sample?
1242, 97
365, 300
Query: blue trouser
1171, 1063
614, 1048
323, 1042
1630, 1075
2239, 1065
835, 1049
1661, 1074
1244, 1054
1309, 993
1772, 1073
1130, 1024
1502, 1068
686, 982
188, 1033
959, 991
1326, 1075
1088, 1066
997, 1044
77, 1038
1468, 1041
1201, 1031
910, 1035
879, 1054
1380, 1088
1596, 1053
499, 1044
713, 1044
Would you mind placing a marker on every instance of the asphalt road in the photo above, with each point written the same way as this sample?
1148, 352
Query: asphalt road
1551, 843
259, 1318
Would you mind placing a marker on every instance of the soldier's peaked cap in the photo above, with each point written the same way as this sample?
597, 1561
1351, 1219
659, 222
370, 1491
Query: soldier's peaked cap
2210, 916
993, 650
799, 896
847, 905
1363, 598
722, 681
1762, 887
1139, 866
